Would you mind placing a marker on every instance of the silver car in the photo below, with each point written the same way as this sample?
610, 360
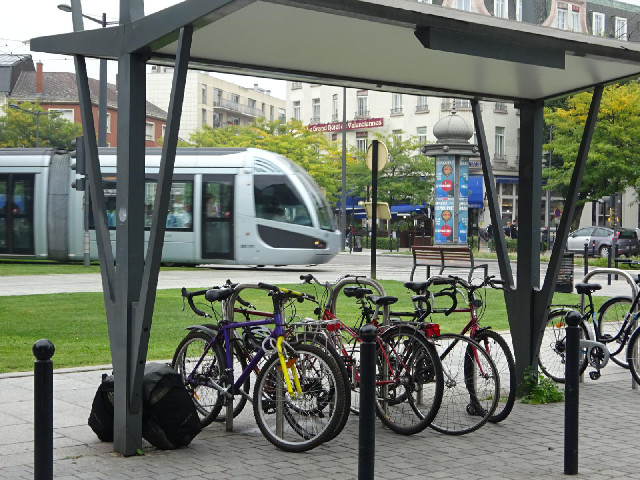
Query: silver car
600, 240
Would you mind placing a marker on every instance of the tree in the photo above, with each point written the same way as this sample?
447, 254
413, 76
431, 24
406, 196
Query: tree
18, 128
613, 163
311, 150
406, 178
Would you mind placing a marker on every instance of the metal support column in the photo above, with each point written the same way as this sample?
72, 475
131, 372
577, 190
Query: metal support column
127, 430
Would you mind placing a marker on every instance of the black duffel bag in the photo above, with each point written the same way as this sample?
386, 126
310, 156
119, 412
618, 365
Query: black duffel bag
169, 417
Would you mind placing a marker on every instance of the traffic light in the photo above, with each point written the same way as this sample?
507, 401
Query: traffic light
79, 165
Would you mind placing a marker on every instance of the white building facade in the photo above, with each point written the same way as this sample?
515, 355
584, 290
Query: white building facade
212, 101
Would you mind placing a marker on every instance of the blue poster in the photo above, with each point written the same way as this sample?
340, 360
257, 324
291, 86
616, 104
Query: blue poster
445, 176
445, 220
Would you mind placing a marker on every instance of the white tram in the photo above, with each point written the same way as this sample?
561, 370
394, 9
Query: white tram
229, 206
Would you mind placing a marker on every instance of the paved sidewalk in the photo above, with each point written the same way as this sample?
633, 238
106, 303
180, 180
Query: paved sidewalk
528, 445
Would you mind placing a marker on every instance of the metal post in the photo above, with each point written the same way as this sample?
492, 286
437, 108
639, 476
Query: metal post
37, 130
374, 206
586, 258
572, 394
43, 409
367, 418
343, 193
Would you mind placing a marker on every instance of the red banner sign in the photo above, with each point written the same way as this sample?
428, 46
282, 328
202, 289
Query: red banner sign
351, 125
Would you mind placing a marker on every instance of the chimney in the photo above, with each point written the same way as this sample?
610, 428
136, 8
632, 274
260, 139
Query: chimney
39, 79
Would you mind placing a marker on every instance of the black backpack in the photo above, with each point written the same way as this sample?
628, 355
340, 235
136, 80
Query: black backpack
101, 416
169, 417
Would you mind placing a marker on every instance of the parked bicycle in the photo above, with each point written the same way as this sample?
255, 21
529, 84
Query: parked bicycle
475, 304
472, 381
409, 380
299, 395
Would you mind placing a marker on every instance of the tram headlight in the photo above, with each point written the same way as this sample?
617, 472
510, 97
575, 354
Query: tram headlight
319, 244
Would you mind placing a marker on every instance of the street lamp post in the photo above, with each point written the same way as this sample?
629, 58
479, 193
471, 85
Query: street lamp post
37, 114
102, 96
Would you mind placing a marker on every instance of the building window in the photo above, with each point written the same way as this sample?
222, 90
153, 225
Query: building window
334, 115
421, 105
204, 94
251, 102
164, 131
519, 10
216, 119
235, 98
334, 137
149, 132
422, 135
203, 115
500, 9
499, 153
397, 136
363, 105
315, 110
296, 85
597, 27
296, 110
217, 96
500, 107
463, 5
282, 115
396, 104
271, 110
518, 146
575, 18
109, 123
362, 144
67, 114
562, 16
621, 28
234, 121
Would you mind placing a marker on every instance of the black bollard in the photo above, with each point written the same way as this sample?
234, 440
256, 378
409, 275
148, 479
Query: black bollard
586, 258
571, 393
43, 409
367, 416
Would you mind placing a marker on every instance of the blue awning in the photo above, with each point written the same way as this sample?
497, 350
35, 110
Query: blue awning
506, 179
476, 193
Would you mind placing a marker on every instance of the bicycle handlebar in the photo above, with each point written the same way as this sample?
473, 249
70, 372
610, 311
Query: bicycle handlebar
301, 296
189, 296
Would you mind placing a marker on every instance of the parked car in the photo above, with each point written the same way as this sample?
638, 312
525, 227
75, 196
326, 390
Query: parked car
603, 237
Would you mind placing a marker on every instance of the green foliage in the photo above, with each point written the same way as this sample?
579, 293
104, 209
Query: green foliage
311, 150
382, 243
18, 128
613, 163
540, 389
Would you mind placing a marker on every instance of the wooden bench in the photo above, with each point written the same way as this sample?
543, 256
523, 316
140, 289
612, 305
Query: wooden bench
445, 257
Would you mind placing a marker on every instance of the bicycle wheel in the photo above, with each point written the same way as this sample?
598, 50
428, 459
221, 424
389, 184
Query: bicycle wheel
610, 323
300, 422
201, 366
471, 385
633, 355
409, 381
552, 354
500, 353
324, 342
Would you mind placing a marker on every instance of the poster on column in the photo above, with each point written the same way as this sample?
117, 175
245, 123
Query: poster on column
463, 172
445, 175
445, 220
463, 200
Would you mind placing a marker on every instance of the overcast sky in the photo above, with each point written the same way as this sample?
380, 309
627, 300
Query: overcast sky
25, 19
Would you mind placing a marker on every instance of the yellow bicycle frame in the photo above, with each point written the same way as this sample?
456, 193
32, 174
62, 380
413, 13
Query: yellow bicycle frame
284, 365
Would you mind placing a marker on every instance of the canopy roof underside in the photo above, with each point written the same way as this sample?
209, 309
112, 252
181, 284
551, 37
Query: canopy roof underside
369, 44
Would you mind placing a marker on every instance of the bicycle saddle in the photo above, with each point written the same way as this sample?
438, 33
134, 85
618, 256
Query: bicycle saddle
358, 292
380, 301
416, 286
218, 294
587, 287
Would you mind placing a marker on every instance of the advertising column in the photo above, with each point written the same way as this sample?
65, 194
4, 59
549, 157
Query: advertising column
445, 199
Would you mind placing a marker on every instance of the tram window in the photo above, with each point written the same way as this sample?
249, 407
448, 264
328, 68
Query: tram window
217, 216
276, 199
179, 217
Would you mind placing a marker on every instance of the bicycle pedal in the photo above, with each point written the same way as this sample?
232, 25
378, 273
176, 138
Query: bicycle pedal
594, 375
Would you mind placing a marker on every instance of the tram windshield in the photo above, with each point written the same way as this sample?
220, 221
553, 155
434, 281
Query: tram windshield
276, 199
319, 201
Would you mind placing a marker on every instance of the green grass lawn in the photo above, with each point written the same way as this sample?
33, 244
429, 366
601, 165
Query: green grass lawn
76, 322
48, 267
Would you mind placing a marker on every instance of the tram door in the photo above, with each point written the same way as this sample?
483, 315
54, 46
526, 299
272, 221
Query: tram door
16, 214
217, 216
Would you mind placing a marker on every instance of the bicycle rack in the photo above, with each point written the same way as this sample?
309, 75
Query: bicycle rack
634, 292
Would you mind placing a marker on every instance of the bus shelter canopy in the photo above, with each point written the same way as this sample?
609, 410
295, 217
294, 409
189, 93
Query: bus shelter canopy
392, 45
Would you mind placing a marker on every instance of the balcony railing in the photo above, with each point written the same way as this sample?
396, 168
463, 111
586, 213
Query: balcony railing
396, 111
314, 120
422, 108
334, 117
360, 114
238, 107
296, 85
500, 107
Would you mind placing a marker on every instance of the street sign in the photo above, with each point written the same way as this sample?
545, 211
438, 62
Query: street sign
383, 156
